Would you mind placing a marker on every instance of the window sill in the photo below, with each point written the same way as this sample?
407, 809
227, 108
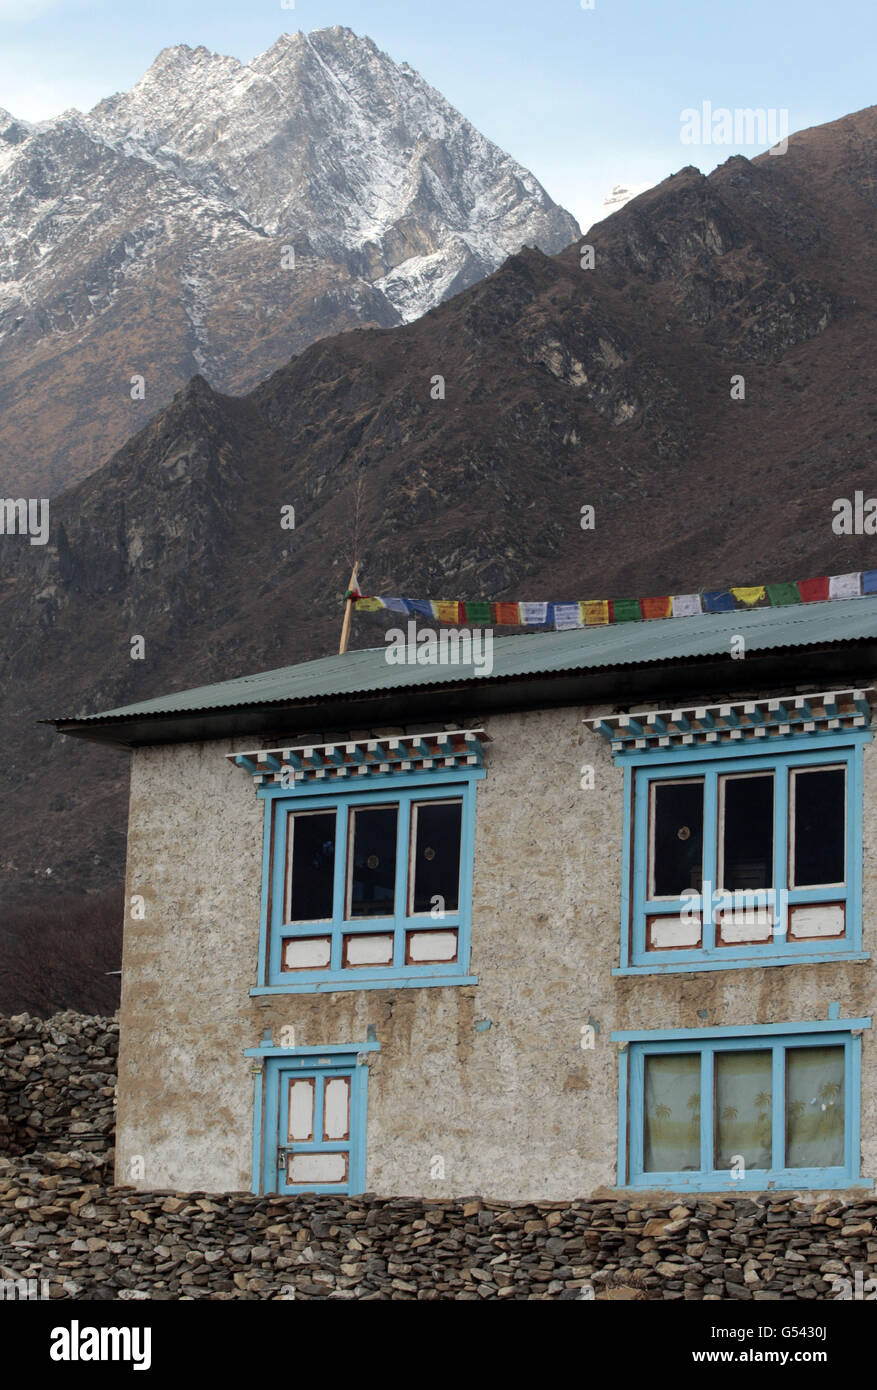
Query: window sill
765, 1182
747, 963
367, 982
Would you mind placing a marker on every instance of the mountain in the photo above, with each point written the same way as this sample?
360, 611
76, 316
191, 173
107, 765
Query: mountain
218, 218
565, 386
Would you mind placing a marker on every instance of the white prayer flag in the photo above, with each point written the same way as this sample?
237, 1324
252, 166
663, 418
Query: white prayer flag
533, 614
686, 605
567, 615
845, 586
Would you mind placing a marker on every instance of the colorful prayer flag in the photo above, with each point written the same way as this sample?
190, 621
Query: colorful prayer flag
686, 605
656, 607
626, 610
567, 615
844, 586
477, 612
748, 597
596, 611
447, 610
534, 614
599, 612
813, 590
507, 614
781, 594
718, 601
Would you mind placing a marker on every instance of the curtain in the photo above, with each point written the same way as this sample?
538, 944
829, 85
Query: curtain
743, 1109
672, 1113
814, 1107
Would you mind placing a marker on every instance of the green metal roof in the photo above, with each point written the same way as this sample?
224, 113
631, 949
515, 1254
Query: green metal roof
537, 654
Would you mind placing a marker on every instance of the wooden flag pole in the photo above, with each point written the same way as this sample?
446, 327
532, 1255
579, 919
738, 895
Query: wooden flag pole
348, 613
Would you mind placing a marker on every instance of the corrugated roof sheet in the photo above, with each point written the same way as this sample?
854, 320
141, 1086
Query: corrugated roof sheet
622, 644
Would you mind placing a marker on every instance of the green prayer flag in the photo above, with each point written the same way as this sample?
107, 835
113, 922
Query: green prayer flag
780, 594
477, 612
626, 610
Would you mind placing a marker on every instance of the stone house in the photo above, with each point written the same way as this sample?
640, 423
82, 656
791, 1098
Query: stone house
601, 919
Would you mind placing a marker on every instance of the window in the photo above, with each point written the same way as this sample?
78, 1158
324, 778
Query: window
368, 887
776, 1106
743, 856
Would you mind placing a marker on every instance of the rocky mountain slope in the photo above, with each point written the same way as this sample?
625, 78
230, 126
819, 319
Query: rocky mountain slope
564, 386
218, 218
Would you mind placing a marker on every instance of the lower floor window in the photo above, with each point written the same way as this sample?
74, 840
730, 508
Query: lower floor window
768, 1109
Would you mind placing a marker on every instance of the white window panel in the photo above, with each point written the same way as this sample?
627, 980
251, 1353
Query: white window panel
432, 946
336, 1108
307, 953
301, 1109
317, 1168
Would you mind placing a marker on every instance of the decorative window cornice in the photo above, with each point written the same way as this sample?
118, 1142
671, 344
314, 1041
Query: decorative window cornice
739, 721
352, 759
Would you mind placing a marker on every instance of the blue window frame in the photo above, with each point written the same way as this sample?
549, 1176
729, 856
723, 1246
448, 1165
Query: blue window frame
741, 1109
724, 849
310, 1110
368, 889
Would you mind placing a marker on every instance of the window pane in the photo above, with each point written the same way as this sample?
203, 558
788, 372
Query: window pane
743, 1109
672, 1113
437, 855
677, 860
747, 842
372, 866
819, 826
814, 1107
312, 866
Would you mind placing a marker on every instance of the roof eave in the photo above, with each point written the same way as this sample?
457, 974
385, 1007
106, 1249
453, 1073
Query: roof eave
668, 679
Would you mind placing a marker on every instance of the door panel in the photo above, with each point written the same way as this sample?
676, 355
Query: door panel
315, 1128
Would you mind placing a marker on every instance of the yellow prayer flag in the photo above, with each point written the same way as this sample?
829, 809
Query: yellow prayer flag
594, 611
447, 611
751, 595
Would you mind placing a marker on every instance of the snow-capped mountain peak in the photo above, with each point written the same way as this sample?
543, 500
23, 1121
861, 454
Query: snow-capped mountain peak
193, 195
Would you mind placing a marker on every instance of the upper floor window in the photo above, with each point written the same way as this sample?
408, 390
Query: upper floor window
741, 851
368, 875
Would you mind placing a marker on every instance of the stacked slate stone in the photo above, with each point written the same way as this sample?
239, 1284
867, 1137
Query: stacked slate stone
64, 1226
58, 1085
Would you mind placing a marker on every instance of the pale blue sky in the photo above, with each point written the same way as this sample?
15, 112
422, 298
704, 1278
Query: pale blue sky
584, 98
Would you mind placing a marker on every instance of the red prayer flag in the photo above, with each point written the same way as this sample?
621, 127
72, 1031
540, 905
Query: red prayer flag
812, 590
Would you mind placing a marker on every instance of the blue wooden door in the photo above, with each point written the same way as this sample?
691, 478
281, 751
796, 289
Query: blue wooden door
316, 1128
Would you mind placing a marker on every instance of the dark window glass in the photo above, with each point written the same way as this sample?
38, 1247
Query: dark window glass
437, 855
748, 832
678, 845
819, 826
312, 860
373, 861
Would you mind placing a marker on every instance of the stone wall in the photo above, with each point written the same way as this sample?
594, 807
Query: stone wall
91, 1242
58, 1085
